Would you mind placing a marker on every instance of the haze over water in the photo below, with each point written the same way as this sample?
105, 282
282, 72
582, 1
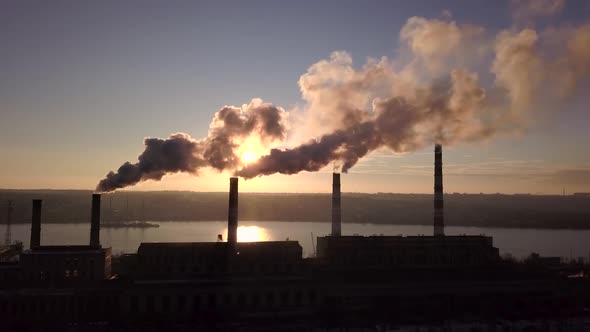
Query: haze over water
515, 241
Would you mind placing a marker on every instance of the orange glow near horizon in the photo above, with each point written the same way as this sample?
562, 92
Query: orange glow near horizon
250, 234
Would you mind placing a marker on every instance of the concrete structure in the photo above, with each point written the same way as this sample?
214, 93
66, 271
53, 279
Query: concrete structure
439, 222
95, 221
55, 263
60, 263
355, 282
407, 251
36, 224
232, 213
205, 259
197, 260
336, 205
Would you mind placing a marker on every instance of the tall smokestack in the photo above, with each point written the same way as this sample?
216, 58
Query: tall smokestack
95, 221
336, 212
439, 221
36, 224
232, 214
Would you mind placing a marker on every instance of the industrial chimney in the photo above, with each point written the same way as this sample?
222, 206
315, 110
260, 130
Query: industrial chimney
36, 224
336, 212
439, 222
232, 214
95, 221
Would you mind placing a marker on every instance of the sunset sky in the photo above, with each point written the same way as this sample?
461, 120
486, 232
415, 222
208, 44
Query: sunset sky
83, 82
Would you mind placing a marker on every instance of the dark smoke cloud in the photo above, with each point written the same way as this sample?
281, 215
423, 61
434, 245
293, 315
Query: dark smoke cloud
346, 145
434, 97
394, 123
178, 153
181, 153
419, 105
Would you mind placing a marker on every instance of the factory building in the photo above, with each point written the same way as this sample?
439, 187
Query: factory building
408, 251
65, 263
354, 281
206, 259
405, 251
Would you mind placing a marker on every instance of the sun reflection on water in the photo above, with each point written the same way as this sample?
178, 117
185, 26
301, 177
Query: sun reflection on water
250, 234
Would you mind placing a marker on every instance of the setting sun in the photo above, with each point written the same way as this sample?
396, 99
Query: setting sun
248, 157
252, 234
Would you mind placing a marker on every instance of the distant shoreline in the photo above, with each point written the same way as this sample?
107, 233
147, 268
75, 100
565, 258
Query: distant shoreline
326, 222
464, 210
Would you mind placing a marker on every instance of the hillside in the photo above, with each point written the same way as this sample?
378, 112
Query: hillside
527, 211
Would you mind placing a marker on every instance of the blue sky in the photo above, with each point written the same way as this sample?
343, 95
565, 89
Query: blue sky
82, 83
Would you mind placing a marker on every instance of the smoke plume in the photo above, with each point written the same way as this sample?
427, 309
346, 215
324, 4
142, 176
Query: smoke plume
181, 153
433, 91
527, 11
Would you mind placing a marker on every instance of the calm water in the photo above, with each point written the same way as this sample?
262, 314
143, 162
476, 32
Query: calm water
519, 242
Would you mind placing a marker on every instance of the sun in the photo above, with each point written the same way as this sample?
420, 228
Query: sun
248, 157
252, 234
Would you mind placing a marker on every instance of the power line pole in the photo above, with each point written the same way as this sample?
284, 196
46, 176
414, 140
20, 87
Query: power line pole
8, 235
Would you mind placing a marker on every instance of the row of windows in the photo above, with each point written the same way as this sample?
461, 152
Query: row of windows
41, 306
417, 259
62, 274
211, 268
64, 261
57, 305
191, 258
239, 300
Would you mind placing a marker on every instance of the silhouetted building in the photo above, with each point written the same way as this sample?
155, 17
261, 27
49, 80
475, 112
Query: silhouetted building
73, 262
51, 263
356, 281
408, 251
211, 259
199, 259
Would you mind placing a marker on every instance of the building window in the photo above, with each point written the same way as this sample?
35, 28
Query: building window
134, 303
241, 299
312, 296
196, 302
165, 303
255, 300
211, 300
284, 298
150, 303
298, 298
180, 301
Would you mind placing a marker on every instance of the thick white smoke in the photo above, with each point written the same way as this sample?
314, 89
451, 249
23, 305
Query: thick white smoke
434, 92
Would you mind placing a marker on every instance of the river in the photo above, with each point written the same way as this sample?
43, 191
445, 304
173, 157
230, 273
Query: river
515, 241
